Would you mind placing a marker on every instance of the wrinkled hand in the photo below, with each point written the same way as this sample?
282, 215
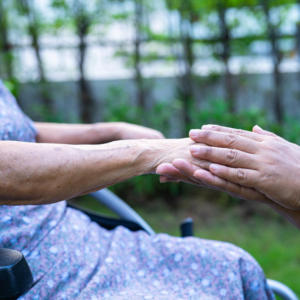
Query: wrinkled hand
128, 131
163, 152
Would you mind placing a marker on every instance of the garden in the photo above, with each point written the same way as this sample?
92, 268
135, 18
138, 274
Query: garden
172, 65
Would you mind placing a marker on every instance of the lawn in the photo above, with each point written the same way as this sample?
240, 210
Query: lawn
266, 236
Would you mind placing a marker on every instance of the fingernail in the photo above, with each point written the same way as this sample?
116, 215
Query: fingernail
195, 149
214, 168
207, 127
193, 133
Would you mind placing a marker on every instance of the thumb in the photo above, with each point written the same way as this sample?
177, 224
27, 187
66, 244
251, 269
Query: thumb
261, 131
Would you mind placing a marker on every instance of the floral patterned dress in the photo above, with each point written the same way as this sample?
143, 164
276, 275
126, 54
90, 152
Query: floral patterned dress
74, 258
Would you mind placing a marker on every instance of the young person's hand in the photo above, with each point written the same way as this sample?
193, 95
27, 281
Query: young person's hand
184, 171
256, 165
259, 160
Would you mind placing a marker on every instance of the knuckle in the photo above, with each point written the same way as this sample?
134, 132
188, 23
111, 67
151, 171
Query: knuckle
230, 139
239, 132
241, 175
231, 155
207, 134
208, 151
267, 178
216, 128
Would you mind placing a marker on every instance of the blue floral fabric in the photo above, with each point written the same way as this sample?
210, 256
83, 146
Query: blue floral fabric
74, 258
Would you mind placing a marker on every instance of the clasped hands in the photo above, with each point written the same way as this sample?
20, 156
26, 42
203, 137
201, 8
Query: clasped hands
256, 166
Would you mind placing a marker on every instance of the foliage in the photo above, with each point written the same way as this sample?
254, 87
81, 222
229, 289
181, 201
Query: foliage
215, 112
13, 86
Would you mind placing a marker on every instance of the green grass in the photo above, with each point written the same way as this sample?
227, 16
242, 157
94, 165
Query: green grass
272, 241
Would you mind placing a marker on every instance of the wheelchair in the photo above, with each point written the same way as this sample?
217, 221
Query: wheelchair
15, 275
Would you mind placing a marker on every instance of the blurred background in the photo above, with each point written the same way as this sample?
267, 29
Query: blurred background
171, 65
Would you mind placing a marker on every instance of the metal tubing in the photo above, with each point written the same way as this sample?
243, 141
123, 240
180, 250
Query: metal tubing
119, 207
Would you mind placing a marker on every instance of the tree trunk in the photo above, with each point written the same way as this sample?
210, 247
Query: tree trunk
33, 31
86, 99
298, 36
225, 56
4, 43
186, 84
141, 93
276, 56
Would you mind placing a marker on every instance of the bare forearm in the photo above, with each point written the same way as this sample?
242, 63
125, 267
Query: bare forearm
47, 173
77, 134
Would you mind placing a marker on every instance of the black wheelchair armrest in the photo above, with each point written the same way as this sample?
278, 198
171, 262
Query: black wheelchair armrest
15, 275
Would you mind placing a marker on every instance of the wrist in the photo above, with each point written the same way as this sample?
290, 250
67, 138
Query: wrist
157, 152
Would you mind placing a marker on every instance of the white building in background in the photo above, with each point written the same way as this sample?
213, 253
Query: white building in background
102, 63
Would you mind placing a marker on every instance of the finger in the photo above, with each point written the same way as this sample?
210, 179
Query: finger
228, 157
247, 134
244, 177
236, 190
261, 131
224, 140
172, 173
163, 179
167, 169
160, 136
188, 170
219, 183
185, 167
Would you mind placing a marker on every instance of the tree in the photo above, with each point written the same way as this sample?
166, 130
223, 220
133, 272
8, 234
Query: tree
135, 14
276, 54
298, 33
5, 46
80, 16
225, 55
35, 26
138, 25
189, 15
